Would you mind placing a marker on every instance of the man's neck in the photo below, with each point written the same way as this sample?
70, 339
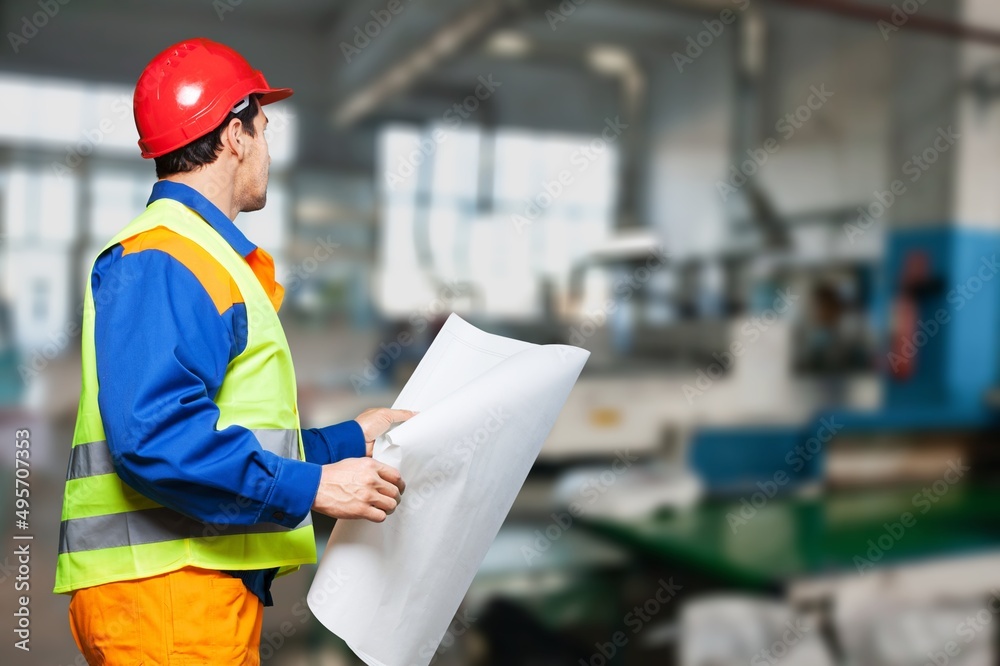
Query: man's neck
212, 185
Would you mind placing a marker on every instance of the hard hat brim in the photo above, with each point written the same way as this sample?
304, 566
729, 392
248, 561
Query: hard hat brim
271, 95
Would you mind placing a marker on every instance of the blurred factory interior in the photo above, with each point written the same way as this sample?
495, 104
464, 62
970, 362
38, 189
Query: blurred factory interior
773, 223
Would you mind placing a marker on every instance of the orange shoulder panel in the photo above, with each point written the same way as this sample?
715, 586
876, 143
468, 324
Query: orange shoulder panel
210, 273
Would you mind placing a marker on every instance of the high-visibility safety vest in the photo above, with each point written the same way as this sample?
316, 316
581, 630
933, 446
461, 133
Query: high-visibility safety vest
111, 532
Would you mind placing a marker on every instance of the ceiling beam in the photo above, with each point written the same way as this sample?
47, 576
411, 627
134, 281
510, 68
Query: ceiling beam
450, 39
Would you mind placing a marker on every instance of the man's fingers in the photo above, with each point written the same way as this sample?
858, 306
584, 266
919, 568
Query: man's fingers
384, 502
387, 489
374, 515
400, 415
390, 474
378, 420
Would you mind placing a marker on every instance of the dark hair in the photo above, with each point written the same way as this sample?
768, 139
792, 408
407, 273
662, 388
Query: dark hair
205, 149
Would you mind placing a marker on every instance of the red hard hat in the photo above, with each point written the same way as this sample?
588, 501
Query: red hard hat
186, 91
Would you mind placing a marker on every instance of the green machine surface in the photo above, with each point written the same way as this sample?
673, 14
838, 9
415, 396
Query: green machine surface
795, 538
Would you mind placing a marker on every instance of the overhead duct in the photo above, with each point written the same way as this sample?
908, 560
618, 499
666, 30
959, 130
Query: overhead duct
443, 44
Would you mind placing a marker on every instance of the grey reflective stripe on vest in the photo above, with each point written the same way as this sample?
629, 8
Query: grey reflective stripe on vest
95, 458
161, 523
285, 443
89, 460
133, 528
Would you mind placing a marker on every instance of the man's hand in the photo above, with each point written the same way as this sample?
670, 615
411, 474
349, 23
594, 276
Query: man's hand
359, 488
376, 422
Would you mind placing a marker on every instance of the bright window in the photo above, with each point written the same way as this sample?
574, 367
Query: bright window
501, 212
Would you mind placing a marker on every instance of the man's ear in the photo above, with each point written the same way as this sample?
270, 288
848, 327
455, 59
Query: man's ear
233, 138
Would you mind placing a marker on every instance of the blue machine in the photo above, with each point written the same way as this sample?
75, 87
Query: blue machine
938, 311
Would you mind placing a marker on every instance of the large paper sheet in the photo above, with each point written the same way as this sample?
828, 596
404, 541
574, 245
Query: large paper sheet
486, 404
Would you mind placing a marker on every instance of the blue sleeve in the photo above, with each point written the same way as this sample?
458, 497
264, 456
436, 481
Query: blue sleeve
334, 443
162, 349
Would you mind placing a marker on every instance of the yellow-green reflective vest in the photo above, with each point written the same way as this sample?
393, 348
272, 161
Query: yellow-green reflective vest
109, 531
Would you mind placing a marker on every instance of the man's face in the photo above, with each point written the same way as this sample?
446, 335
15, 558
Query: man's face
252, 181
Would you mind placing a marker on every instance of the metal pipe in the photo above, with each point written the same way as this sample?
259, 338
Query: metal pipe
442, 45
914, 21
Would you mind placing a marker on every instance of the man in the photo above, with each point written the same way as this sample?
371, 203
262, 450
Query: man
190, 482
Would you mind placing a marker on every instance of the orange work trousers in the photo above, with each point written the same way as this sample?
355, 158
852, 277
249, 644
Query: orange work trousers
186, 617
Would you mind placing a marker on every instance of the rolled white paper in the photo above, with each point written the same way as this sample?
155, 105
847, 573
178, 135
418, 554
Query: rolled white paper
486, 404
